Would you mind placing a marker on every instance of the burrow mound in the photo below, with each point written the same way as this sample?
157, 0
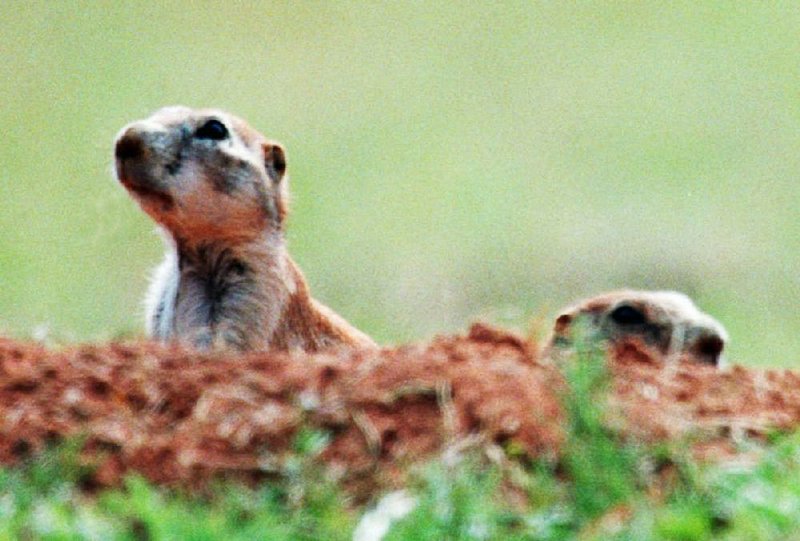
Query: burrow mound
182, 418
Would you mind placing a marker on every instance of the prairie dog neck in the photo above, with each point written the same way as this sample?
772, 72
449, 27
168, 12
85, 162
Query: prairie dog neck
232, 295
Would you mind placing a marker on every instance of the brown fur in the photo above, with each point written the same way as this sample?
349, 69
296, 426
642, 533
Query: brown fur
219, 191
667, 322
310, 325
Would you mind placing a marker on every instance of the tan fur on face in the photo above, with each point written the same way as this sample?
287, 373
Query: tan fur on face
219, 191
666, 321
191, 173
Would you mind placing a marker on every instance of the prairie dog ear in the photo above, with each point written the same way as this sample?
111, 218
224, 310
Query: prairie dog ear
274, 160
560, 336
562, 324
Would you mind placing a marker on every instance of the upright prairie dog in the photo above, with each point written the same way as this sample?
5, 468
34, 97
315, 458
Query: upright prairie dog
667, 321
218, 189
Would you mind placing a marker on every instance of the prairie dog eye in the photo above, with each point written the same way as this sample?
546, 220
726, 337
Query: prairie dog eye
627, 315
213, 129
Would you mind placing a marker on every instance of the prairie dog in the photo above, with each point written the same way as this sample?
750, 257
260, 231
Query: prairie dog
667, 321
218, 190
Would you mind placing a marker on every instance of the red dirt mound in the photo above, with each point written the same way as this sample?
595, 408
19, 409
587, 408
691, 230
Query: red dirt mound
182, 417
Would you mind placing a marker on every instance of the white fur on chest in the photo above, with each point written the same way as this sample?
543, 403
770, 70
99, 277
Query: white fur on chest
180, 306
160, 299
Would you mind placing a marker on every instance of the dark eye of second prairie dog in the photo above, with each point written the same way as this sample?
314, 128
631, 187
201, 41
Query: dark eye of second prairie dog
628, 315
212, 129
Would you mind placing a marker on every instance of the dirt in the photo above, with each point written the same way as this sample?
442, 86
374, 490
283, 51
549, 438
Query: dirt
182, 418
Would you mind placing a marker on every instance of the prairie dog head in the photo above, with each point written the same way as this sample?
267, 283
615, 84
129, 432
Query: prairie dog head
667, 321
203, 174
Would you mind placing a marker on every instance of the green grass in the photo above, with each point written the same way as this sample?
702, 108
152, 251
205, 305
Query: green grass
447, 160
603, 472
42, 500
457, 498
454, 502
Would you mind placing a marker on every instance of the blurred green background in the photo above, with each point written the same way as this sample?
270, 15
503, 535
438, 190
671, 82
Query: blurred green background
449, 160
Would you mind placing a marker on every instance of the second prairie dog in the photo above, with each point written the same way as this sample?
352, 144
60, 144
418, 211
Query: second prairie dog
667, 321
218, 189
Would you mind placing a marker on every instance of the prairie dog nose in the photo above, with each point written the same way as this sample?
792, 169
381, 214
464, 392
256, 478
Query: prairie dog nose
129, 145
706, 344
